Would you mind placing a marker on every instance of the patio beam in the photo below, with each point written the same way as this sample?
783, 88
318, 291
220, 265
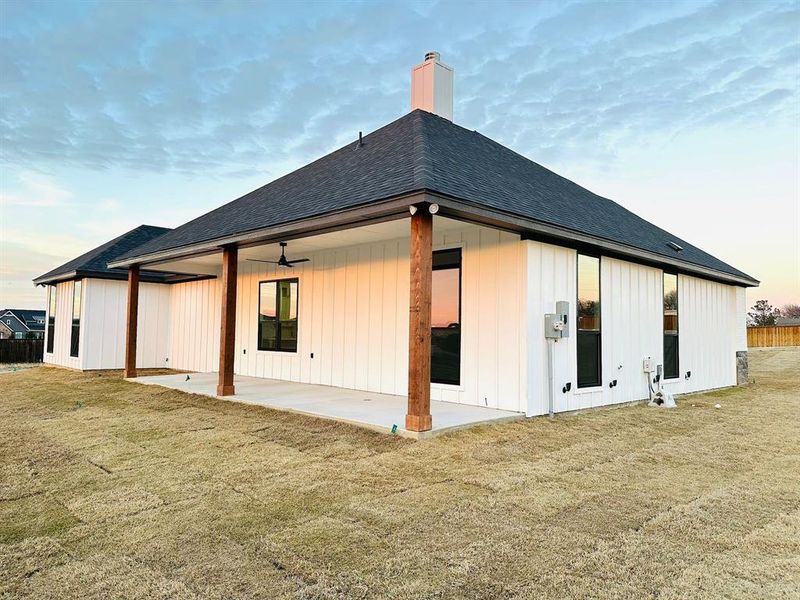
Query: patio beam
131, 322
227, 335
418, 417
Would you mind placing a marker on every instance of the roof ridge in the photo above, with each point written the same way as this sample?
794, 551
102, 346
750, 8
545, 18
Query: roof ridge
422, 161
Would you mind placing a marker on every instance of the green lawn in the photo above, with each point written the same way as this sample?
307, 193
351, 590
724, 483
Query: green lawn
111, 489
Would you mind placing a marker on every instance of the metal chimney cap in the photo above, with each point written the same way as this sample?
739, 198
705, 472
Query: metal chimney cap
432, 56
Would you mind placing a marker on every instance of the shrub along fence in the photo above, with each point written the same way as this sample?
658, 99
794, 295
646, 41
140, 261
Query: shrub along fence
21, 351
787, 335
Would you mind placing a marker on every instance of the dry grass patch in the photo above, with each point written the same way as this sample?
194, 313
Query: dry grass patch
111, 489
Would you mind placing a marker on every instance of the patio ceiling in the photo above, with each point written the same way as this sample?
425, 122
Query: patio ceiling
211, 263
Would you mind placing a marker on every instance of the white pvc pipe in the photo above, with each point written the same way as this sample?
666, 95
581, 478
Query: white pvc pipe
550, 376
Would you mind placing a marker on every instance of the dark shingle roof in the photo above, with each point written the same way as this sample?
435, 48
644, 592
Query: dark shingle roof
28, 316
422, 151
95, 262
13, 321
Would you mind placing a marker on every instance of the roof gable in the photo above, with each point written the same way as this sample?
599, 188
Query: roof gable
32, 319
12, 322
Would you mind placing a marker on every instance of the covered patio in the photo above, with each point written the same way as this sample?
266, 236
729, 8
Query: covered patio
379, 412
232, 263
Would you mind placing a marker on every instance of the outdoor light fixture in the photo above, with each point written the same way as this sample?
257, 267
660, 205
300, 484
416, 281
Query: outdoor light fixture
433, 209
412, 209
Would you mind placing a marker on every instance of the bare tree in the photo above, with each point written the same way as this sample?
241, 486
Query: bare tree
791, 311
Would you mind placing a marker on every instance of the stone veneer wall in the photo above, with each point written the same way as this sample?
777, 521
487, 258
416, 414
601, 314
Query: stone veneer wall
741, 367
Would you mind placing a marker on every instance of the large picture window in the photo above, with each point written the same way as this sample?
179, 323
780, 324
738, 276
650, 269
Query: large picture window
671, 360
277, 315
589, 336
75, 338
446, 317
51, 319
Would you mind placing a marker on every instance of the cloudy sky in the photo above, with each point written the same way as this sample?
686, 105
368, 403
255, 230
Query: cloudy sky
120, 113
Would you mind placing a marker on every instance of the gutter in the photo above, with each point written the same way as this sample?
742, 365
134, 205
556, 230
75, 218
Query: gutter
370, 214
530, 229
397, 208
144, 277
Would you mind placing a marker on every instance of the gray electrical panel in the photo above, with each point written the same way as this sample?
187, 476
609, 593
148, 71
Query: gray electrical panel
556, 325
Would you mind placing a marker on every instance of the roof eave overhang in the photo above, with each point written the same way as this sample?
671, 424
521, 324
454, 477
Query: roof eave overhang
119, 276
367, 214
397, 207
61, 277
532, 229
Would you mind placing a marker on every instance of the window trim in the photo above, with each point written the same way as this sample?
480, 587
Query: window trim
52, 309
594, 386
75, 284
677, 376
296, 280
460, 385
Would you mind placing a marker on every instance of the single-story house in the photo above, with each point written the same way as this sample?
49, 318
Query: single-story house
21, 324
418, 261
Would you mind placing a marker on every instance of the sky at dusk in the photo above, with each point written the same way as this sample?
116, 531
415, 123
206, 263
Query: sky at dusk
121, 113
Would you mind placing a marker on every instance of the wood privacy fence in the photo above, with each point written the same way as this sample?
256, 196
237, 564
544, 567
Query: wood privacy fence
21, 351
759, 337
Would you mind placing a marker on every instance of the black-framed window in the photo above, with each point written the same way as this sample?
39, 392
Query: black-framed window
671, 353
277, 315
589, 338
446, 317
75, 337
51, 319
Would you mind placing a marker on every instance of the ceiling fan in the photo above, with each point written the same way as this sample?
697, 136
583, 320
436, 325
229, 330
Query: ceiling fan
282, 261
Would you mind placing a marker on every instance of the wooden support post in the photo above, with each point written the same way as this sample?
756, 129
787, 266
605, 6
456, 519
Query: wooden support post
131, 322
419, 323
227, 335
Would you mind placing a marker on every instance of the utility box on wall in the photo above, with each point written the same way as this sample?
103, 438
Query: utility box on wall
556, 325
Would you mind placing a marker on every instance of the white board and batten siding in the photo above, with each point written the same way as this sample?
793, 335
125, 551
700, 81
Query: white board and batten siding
710, 321
709, 329
62, 339
353, 317
102, 333
106, 303
196, 309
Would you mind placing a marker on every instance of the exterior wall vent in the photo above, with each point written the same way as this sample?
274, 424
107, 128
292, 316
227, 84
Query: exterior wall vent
432, 87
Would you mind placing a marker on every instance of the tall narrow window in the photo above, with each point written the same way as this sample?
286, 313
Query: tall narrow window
446, 317
277, 315
589, 339
75, 338
671, 362
51, 319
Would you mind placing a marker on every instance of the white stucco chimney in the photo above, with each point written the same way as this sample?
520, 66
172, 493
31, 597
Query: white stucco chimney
432, 87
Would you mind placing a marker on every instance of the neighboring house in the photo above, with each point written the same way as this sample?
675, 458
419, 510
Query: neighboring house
21, 323
432, 255
787, 321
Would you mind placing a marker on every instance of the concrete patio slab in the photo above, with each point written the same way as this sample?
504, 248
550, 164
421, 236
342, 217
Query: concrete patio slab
379, 412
